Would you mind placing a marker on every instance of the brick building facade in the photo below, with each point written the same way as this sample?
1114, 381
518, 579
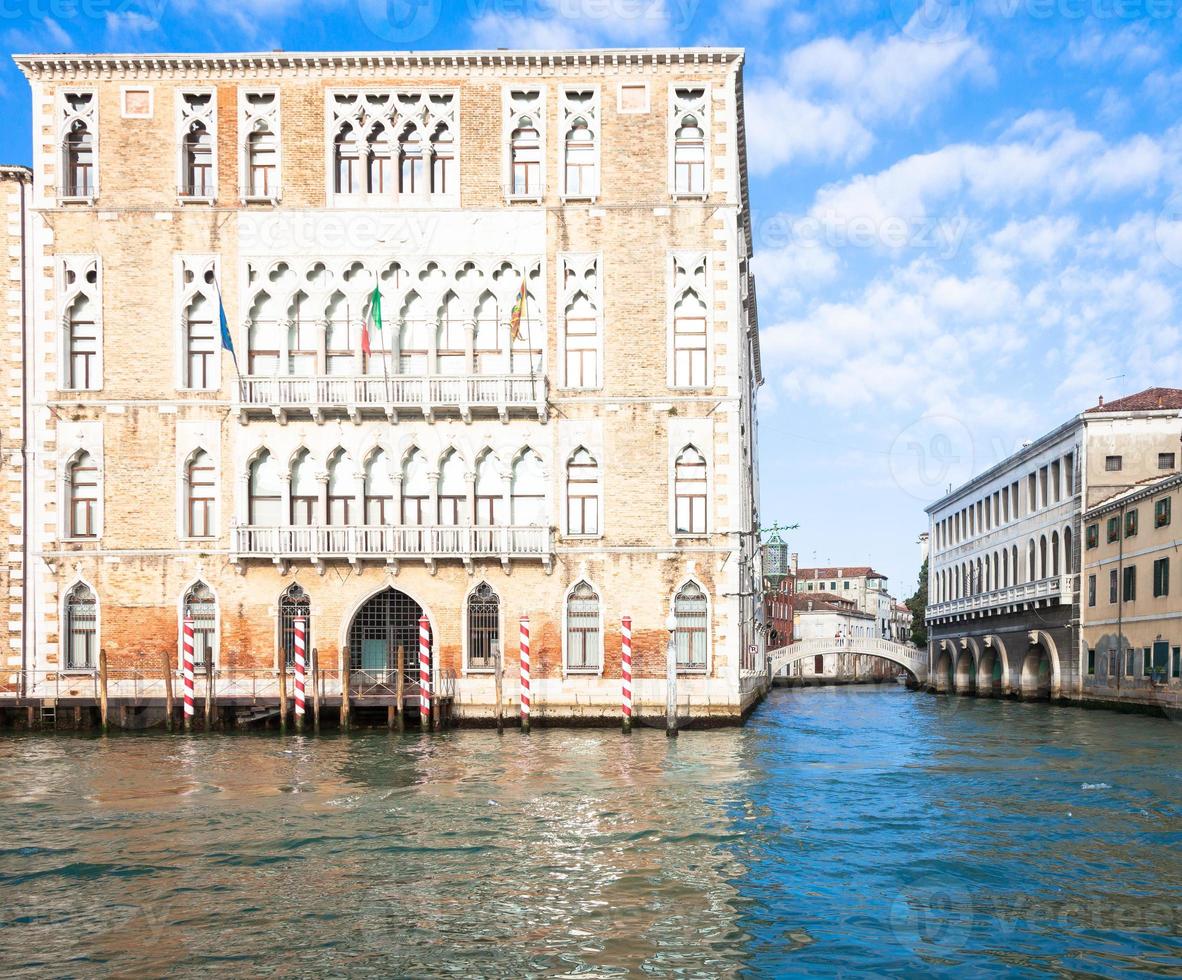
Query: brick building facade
596, 462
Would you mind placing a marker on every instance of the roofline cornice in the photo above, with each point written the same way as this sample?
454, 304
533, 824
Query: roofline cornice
1134, 496
346, 63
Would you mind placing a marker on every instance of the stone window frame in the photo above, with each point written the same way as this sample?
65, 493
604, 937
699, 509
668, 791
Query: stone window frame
216, 661
682, 276
567, 670
185, 293
598, 496
186, 116
80, 267
151, 92
512, 117
90, 444
707, 668
89, 116
679, 106
579, 263
334, 118
184, 463
64, 623
248, 116
466, 667
567, 112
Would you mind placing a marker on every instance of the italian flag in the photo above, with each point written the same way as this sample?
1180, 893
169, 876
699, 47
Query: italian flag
373, 317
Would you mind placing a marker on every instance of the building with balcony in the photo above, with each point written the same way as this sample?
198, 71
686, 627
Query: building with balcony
1003, 581
495, 354
863, 585
1131, 596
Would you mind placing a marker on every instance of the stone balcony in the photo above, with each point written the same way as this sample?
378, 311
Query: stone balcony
429, 544
1048, 591
422, 396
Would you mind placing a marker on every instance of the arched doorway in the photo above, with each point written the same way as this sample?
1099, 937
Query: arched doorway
385, 622
1036, 673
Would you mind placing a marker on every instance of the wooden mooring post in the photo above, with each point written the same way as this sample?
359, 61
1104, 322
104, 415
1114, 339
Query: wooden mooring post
400, 689
344, 688
166, 673
499, 681
282, 691
103, 716
315, 690
208, 692
671, 680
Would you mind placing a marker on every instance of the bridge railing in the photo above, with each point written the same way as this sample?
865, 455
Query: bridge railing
913, 658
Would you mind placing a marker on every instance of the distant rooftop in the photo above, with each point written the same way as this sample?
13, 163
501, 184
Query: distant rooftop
839, 571
1148, 400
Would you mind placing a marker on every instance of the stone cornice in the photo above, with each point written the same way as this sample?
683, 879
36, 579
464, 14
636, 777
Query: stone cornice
362, 64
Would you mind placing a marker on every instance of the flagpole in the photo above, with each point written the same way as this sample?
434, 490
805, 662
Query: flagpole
225, 331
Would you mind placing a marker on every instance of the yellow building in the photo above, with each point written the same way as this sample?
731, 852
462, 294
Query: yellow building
589, 460
1132, 595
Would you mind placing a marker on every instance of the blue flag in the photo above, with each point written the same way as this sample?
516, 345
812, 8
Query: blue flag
227, 341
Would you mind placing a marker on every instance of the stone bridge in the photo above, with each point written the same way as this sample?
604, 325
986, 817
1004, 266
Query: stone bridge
913, 659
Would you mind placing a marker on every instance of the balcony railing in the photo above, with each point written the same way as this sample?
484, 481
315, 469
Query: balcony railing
1060, 587
426, 394
381, 542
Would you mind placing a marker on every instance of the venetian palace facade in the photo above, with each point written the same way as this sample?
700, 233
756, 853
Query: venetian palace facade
596, 462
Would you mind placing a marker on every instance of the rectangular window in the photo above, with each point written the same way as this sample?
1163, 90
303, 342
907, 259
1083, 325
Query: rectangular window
202, 347
580, 143
1130, 584
1069, 473
201, 496
82, 355
84, 499
1130, 663
1146, 662
1161, 512
1112, 585
1161, 577
1091, 661
1091, 590
1176, 671
689, 351
582, 352
1113, 529
1113, 464
1165, 461
1093, 536
1130, 523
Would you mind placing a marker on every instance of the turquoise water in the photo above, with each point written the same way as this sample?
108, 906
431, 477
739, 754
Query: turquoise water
851, 831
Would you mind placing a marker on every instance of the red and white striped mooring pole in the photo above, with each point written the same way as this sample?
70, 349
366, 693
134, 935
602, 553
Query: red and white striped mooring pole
626, 673
424, 672
300, 667
525, 674
187, 672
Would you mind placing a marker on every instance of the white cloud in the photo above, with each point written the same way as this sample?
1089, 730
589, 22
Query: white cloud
581, 23
828, 94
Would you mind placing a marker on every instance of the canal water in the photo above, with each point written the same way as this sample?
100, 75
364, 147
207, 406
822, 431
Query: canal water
843, 831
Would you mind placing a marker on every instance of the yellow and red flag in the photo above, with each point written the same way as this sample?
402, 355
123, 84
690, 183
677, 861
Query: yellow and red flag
518, 310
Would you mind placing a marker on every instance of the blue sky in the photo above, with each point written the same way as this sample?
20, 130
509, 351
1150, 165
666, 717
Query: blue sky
968, 213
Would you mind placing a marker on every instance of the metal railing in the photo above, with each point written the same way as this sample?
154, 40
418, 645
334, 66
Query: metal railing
493, 392
381, 541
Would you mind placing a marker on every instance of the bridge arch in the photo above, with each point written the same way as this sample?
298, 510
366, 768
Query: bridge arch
993, 668
965, 677
1039, 673
910, 658
942, 669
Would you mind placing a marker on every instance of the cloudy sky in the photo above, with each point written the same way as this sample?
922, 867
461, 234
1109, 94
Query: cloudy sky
968, 213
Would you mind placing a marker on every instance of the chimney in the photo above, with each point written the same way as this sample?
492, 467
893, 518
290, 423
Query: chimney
794, 563
1101, 402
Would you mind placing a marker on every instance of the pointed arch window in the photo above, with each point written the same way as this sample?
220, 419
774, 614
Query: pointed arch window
443, 161
79, 161
340, 491
304, 491
262, 339
584, 629
302, 339
582, 344
294, 604
82, 346
81, 628
413, 334
82, 491
197, 162
582, 493
484, 627
580, 163
200, 345
487, 341
380, 168
689, 342
201, 607
450, 338
416, 489
690, 612
490, 491
453, 491
410, 162
690, 492
347, 161
262, 164
200, 490
264, 500
525, 149
379, 490
340, 337
528, 491
689, 157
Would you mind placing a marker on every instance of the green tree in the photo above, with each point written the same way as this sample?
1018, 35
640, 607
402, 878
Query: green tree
918, 604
